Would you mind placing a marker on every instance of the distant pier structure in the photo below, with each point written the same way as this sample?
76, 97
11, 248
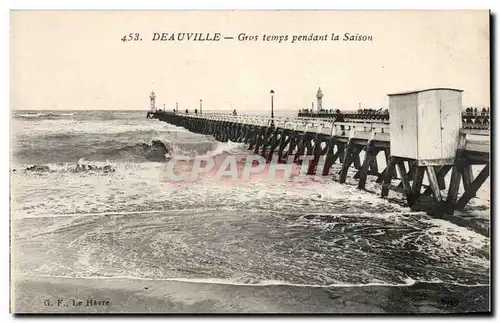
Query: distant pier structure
152, 105
152, 98
423, 140
319, 99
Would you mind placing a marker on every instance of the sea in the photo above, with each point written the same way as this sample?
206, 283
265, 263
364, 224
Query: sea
129, 220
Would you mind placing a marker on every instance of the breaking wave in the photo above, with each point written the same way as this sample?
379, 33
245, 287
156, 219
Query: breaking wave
106, 160
208, 149
102, 151
156, 152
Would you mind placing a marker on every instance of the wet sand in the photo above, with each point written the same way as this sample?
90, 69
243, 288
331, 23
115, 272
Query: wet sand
63, 295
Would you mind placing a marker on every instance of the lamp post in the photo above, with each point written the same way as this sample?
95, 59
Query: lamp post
201, 105
272, 108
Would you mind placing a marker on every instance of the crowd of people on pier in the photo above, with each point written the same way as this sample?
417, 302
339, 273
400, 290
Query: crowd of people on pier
379, 114
473, 118
474, 112
196, 112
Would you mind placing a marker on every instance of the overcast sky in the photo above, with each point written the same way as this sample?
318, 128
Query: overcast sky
76, 60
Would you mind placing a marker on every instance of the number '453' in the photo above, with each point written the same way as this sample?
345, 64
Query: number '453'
131, 37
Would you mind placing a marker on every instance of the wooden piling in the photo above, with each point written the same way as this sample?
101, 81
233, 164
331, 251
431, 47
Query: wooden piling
350, 151
456, 173
417, 181
389, 171
369, 162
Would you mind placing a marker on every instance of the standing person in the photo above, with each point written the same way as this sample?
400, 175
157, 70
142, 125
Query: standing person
196, 111
187, 111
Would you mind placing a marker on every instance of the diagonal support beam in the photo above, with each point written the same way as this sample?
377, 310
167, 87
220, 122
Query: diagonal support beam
440, 176
405, 181
433, 183
474, 186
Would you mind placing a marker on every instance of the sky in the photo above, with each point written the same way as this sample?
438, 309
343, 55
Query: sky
64, 60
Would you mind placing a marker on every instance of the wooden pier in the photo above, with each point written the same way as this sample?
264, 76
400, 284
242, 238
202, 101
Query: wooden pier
357, 144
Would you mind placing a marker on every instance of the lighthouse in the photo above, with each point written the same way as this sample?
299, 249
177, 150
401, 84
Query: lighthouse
152, 97
319, 97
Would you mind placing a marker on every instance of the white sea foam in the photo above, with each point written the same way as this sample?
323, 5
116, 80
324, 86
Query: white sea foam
171, 212
262, 283
31, 115
225, 147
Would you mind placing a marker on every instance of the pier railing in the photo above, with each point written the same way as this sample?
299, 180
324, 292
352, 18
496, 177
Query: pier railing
370, 128
470, 120
318, 125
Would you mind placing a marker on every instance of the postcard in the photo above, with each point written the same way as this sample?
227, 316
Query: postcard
246, 161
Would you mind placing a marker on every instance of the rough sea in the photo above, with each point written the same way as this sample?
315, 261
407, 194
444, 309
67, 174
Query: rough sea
314, 233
